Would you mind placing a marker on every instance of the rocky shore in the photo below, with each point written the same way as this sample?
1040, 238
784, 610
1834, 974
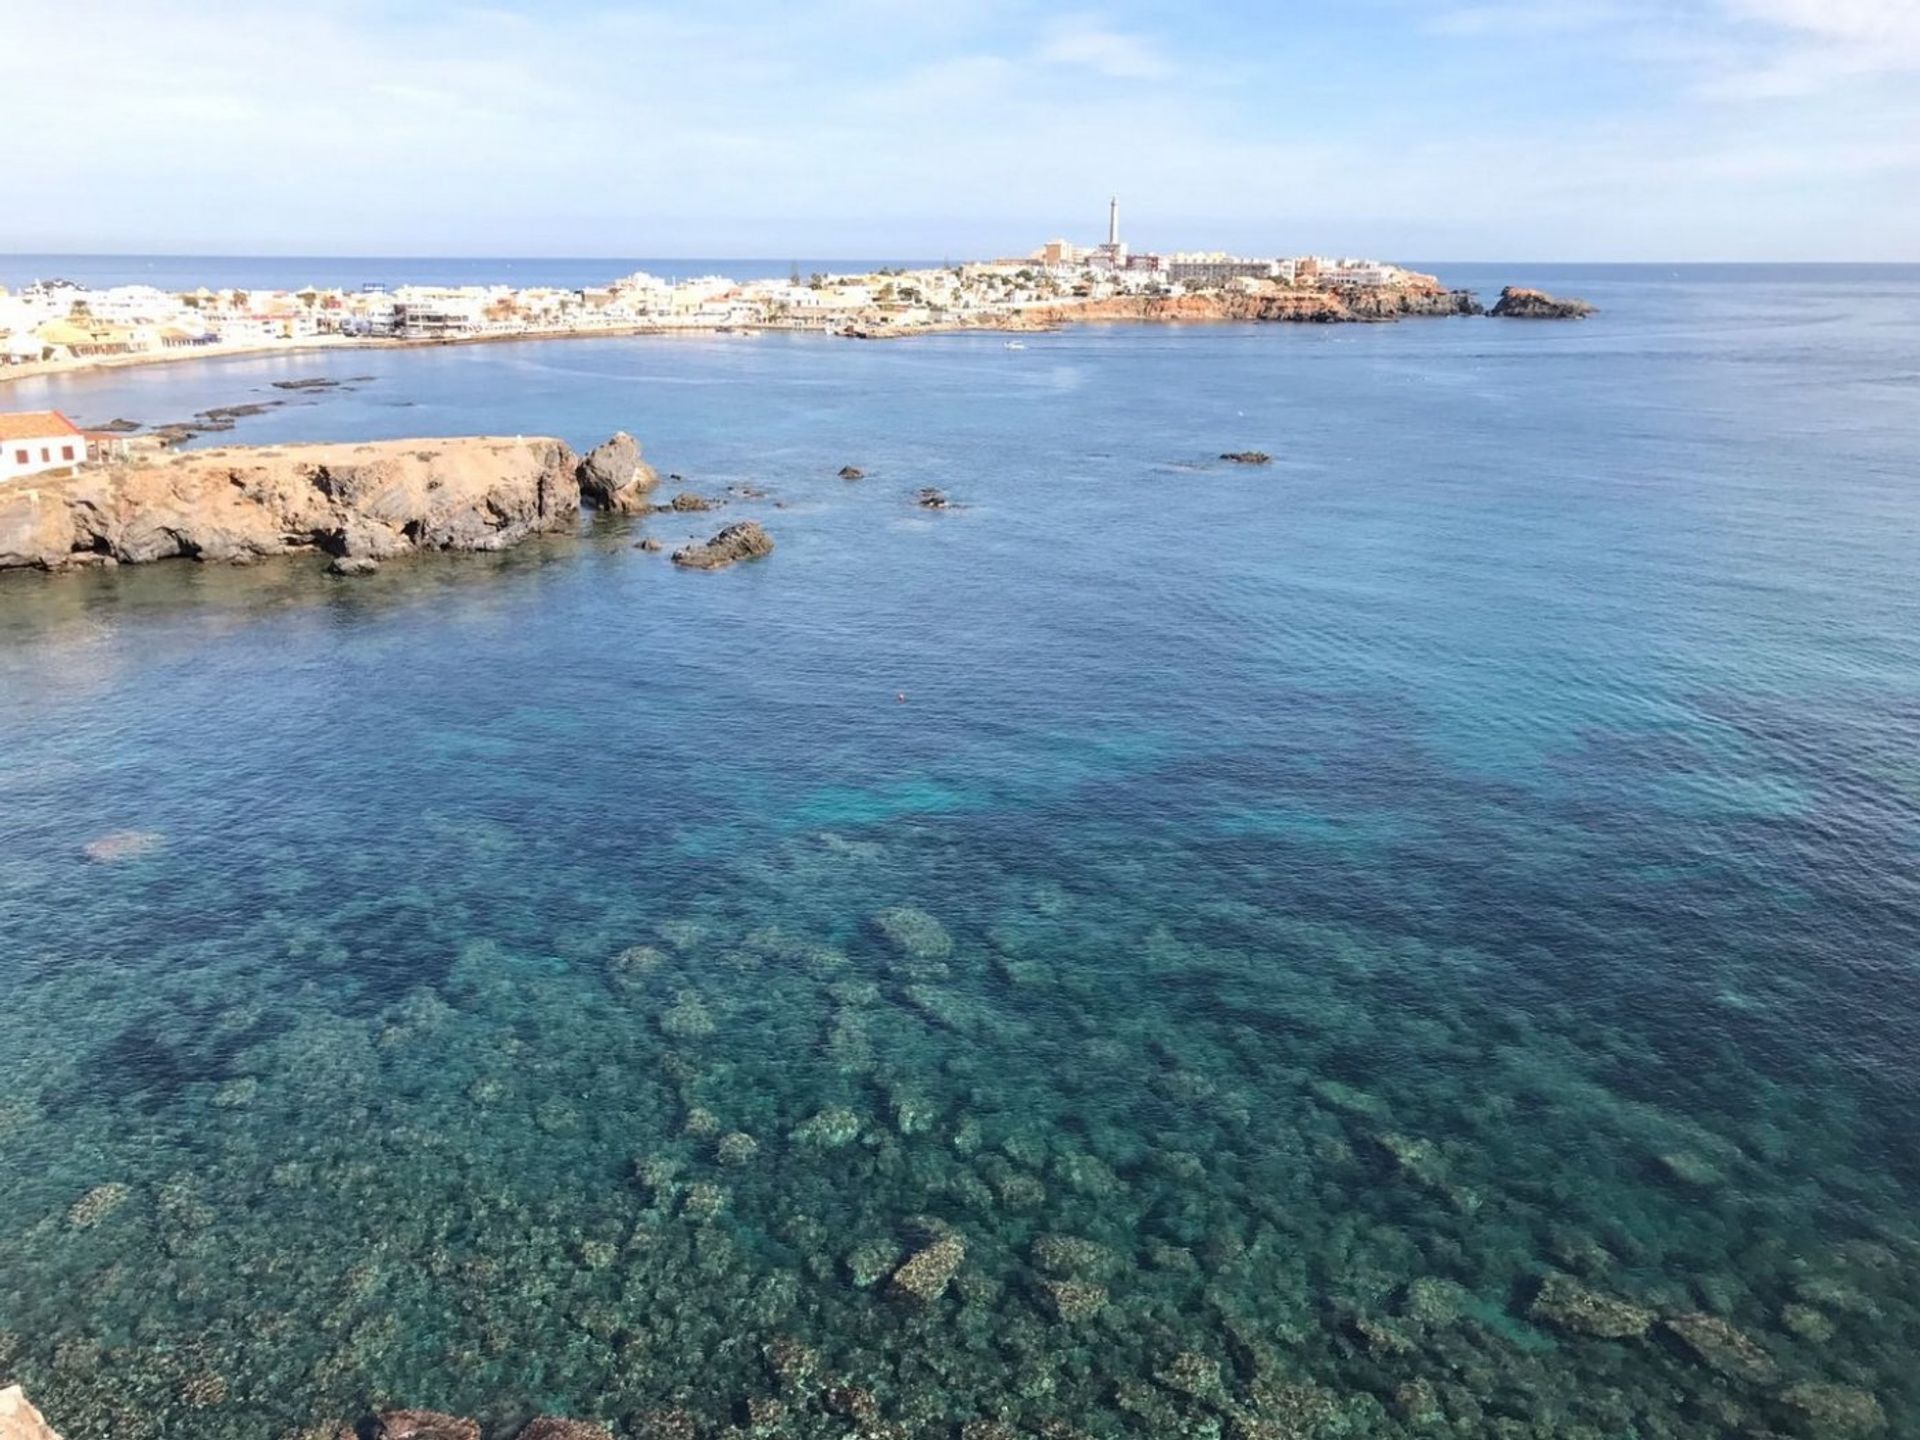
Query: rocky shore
361, 504
1282, 305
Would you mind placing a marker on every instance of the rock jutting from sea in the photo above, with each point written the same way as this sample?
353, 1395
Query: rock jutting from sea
1519, 303
360, 503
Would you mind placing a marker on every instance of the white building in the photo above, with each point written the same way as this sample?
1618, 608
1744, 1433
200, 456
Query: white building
34, 441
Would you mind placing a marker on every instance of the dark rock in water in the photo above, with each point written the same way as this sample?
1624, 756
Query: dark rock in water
353, 565
315, 383
650, 545
1518, 303
1247, 457
744, 541
237, 412
932, 499
118, 426
687, 502
852, 472
614, 478
423, 1425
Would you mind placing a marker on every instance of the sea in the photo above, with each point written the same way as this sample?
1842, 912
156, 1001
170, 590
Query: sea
1420, 937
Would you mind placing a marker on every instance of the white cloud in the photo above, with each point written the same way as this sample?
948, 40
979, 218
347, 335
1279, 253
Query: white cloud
1083, 41
1812, 47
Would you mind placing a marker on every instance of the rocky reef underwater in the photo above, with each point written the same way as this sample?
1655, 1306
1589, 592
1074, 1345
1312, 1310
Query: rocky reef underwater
825, 1149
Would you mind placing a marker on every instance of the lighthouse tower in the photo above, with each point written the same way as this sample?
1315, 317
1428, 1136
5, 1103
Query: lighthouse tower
1113, 253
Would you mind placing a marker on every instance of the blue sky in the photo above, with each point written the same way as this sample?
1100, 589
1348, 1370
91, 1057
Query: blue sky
1508, 129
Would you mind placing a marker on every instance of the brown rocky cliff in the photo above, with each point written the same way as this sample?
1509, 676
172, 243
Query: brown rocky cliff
19, 1420
1276, 303
370, 501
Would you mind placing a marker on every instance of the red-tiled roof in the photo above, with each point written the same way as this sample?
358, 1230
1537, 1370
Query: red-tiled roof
35, 425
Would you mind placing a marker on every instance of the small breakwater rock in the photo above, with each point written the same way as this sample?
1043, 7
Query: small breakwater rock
686, 502
743, 541
852, 472
347, 566
932, 499
1519, 303
1247, 457
614, 478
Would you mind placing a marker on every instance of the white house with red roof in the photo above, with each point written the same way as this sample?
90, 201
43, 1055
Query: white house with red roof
32, 441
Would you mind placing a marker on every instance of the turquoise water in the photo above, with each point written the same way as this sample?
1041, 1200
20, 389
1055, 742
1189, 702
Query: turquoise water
1418, 939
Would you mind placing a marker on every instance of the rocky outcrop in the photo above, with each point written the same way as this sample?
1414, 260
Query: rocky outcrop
1247, 457
1519, 303
614, 478
744, 541
364, 502
19, 1420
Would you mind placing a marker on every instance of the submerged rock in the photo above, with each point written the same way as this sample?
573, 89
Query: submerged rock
1072, 1301
1519, 303
1070, 1257
1718, 1346
744, 541
423, 1425
1565, 1304
96, 1205
687, 502
347, 566
1247, 457
1836, 1411
829, 1130
614, 478
870, 1263
852, 472
926, 1274
914, 933
121, 845
550, 1427
932, 499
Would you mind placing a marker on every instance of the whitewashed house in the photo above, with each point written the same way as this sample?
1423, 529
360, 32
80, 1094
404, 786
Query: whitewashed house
34, 441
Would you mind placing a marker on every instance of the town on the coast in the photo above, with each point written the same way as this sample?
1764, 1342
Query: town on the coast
54, 324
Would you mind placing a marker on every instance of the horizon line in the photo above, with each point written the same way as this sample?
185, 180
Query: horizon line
791, 259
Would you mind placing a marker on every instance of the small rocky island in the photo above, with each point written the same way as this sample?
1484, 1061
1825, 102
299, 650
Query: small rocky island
1516, 302
359, 503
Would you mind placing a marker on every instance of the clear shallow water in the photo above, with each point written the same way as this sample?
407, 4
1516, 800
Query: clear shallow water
1478, 849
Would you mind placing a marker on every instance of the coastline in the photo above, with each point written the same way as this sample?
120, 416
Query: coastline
1309, 306
43, 369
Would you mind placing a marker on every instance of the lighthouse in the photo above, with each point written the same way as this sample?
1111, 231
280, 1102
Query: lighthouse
1113, 223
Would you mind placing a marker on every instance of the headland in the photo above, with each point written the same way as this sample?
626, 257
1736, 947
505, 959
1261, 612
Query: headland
55, 326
